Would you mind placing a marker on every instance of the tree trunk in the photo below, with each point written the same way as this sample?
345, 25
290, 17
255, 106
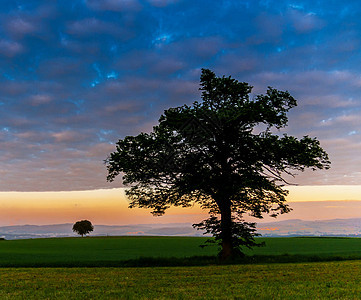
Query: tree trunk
226, 227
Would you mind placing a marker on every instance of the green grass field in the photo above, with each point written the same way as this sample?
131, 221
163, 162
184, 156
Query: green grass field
320, 246
332, 280
96, 251
114, 251
52, 279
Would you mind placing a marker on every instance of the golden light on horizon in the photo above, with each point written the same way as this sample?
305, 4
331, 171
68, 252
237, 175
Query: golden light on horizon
323, 193
110, 206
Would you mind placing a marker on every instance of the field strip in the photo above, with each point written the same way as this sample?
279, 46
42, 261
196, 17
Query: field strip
331, 280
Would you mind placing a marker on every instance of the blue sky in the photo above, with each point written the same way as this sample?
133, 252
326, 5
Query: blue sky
75, 76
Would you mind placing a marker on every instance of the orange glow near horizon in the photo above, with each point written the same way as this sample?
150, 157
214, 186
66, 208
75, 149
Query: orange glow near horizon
107, 207
110, 207
324, 193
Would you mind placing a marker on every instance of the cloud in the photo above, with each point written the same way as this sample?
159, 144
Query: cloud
121, 107
40, 99
69, 137
304, 23
19, 27
162, 3
10, 48
335, 88
78, 75
114, 5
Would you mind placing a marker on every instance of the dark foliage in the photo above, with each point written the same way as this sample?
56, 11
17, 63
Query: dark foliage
243, 233
221, 154
83, 227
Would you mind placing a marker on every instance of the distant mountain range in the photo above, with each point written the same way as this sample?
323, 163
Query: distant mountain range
65, 230
335, 227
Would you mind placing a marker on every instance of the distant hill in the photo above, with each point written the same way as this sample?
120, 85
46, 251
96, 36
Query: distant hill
335, 227
65, 230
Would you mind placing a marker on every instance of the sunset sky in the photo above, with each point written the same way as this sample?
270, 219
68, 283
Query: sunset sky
76, 76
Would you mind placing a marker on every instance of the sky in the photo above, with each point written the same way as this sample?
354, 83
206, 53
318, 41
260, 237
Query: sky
110, 207
76, 76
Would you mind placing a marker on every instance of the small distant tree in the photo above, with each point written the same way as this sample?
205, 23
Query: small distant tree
83, 227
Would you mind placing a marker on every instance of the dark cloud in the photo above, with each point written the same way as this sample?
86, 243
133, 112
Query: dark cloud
78, 75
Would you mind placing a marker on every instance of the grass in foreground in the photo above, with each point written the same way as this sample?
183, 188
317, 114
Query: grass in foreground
333, 280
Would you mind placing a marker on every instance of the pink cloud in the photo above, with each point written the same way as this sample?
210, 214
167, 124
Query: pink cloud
31, 136
129, 106
318, 85
14, 88
10, 48
40, 99
305, 22
100, 151
20, 27
68, 136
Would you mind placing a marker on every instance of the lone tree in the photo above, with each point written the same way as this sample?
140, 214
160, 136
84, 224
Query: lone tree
83, 227
221, 154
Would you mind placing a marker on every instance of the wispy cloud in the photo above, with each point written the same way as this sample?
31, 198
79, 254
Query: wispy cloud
77, 75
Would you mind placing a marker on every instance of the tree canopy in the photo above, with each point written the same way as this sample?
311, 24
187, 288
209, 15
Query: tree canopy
220, 153
83, 227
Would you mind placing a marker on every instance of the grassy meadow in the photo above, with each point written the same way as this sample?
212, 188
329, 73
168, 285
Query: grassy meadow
162, 251
131, 268
96, 251
331, 280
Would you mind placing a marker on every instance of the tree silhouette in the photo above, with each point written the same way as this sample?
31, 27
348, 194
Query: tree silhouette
221, 154
83, 227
